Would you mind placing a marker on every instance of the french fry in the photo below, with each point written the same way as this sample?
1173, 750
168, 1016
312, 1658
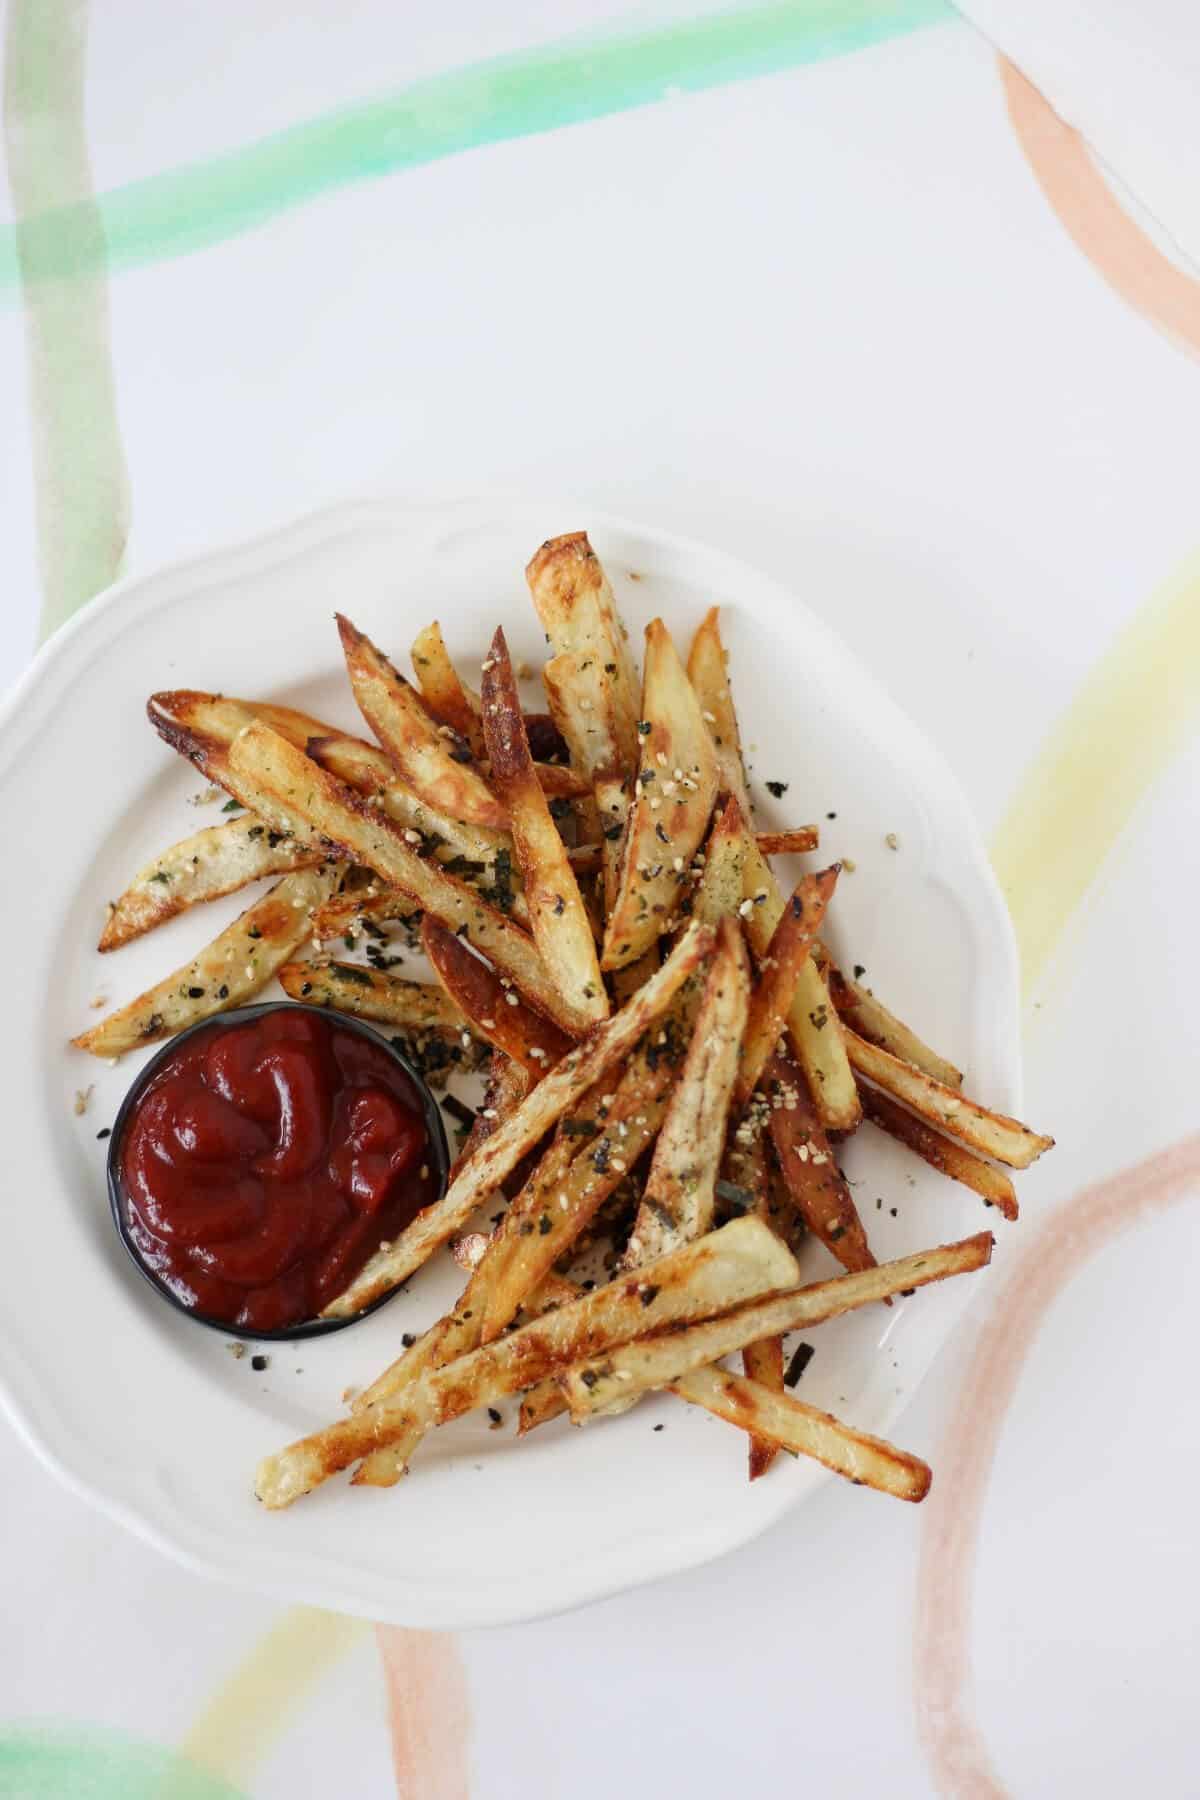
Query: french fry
616, 1377
507, 1085
358, 909
777, 1418
228, 972
424, 758
816, 1184
455, 704
719, 894
762, 1363
560, 1206
371, 772
709, 675
788, 843
491, 1009
941, 1153
546, 1104
216, 861
445, 693
374, 995
775, 990
821, 1053
740, 1262
672, 805
580, 697
273, 769
677, 1204
182, 720
579, 616
951, 1111
859, 1008
557, 915
812, 1022
220, 717
455, 1335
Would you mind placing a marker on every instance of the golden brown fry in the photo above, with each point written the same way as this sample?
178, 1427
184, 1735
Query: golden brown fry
775, 991
183, 720
507, 1085
372, 994
492, 1008
598, 1384
812, 1022
858, 1007
788, 843
561, 1206
580, 696
820, 1050
375, 904
719, 894
445, 693
672, 804
209, 864
546, 1104
808, 1165
557, 915
941, 1153
740, 1262
227, 973
708, 673
220, 717
995, 1134
677, 1204
425, 759
579, 616
372, 772
777, 1418
762, 1363
274, 770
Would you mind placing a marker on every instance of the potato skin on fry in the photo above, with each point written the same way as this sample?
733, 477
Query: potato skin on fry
809, 1168
492, 1010
941, 1153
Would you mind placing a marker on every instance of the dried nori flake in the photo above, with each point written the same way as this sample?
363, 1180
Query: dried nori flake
349, 972
777, 788
801, 1357
733, 1195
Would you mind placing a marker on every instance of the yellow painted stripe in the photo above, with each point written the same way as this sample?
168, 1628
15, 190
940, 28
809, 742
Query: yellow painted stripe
1133, 713
254, 1705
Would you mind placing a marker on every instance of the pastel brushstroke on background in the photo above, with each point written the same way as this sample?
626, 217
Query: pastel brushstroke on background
1052, 1257
1135, 711
540, 89
76, 1762
1166, 295
80, 484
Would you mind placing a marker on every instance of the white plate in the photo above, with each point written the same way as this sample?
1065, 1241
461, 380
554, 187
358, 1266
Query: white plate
149, 1416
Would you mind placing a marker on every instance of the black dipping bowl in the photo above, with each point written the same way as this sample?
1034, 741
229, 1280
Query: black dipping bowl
311, 1328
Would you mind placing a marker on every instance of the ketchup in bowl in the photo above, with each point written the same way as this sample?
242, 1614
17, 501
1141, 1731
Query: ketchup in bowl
262, 1159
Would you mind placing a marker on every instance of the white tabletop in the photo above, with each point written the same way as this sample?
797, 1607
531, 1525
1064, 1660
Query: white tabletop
871, 321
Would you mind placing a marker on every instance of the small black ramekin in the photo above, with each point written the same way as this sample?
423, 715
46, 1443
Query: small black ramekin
310, 1328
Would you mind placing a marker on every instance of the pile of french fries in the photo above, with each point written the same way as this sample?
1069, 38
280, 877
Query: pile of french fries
671, 1049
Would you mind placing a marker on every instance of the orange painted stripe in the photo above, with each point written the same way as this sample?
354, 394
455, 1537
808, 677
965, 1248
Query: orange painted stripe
1087, 209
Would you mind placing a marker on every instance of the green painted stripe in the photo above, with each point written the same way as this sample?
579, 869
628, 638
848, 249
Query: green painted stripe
200, 204
78, 460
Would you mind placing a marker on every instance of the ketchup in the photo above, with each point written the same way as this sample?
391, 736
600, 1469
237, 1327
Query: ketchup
265, 1163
